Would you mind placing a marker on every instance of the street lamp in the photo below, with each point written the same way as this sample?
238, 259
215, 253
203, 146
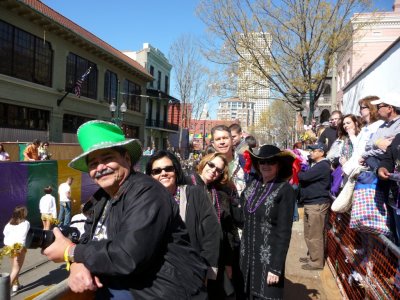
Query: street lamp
117, 113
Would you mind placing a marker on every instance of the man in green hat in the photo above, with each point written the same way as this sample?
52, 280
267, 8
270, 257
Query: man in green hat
135, 244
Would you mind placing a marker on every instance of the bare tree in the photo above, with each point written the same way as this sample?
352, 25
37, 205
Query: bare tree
192, 80
298, 38
277, 124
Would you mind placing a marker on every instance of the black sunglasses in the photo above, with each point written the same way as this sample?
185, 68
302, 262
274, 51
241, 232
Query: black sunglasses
363, 107
158, 171
267, 162
212, 166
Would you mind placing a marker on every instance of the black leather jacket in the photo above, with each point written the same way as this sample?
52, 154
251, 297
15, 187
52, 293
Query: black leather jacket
147, 249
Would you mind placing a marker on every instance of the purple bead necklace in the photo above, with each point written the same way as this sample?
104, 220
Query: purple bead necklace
260, 201
215, 197
177, 195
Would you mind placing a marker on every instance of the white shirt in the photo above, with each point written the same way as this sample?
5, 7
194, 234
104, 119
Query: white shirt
16, 233
4, 156
64, 190
47, 205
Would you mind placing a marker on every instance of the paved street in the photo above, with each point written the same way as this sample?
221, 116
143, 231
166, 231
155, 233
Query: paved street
39, 274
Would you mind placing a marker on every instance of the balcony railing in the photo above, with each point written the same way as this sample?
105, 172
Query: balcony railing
161, 124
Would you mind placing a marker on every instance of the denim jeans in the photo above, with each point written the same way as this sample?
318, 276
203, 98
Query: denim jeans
64, 217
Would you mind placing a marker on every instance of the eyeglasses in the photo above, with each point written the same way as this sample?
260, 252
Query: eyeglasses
363, 107
379, 106
267, 162
212, 166
158, 171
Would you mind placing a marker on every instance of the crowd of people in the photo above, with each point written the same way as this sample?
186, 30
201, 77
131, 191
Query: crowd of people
221, 228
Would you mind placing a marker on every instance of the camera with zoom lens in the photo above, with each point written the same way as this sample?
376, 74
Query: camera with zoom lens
39, 238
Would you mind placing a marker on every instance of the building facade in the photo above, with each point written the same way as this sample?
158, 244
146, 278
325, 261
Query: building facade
158, 99
374, 32
253, 86
42, 57
236, 109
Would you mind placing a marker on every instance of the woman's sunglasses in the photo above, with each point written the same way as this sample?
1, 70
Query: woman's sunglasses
267, 162
212, 166
158, 171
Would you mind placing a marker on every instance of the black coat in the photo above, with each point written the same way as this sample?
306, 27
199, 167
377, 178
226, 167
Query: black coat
315, 183
266, 236
147, 249
202, 224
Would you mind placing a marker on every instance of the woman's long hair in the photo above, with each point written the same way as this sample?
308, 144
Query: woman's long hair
357, 122
224, 178
180, 177
373, 112
19, 215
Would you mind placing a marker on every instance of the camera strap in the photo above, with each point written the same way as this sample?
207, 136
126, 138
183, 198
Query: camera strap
100, 232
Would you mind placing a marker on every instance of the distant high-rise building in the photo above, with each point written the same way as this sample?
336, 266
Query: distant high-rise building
235, 109
253, 86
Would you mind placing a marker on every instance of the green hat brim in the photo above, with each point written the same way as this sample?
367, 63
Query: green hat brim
133, 147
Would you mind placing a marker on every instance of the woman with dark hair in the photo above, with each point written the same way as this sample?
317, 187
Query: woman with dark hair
370, 124
194, 206
349, 127
14, 240
266, 215
213, 176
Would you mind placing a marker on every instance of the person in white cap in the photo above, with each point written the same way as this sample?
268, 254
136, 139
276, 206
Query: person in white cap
388, 109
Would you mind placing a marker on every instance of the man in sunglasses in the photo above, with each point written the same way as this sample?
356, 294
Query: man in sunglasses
135, 244
314, 192
388, 110
329, 135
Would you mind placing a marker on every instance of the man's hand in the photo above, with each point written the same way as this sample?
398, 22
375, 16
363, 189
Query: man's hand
383, 173
272, 278
384, 143
81, 280
55, 251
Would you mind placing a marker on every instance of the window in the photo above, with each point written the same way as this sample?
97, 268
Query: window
110, 86
13, 116
71, 123
152, 74
25, 56
166, 84
159, 81
131, 132
76, 67
131, 95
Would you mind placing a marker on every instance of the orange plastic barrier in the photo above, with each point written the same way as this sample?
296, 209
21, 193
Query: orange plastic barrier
365, 266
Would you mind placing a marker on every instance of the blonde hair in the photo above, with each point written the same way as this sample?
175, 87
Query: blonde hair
224, 178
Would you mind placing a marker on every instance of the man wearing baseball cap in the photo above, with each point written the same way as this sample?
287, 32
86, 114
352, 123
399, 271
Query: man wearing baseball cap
388, 109
135, 244
314, 192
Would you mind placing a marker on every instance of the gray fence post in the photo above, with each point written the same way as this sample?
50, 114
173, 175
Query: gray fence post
5, 286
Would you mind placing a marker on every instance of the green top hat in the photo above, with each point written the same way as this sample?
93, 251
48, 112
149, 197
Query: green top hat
97, 134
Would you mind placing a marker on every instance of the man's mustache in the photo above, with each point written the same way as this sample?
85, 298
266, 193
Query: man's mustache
103, 172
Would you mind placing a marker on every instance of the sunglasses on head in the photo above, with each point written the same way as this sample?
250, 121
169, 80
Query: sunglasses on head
212, 166
267, 162
158, 171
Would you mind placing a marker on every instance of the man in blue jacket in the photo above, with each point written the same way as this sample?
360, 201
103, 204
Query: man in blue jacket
315, 186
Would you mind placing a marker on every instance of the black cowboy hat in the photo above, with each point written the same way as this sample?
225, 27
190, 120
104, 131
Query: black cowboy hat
273, 153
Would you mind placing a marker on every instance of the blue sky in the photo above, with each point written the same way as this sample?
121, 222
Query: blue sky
127, 24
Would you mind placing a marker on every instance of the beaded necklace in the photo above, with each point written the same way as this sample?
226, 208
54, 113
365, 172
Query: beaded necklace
214, 195
177, 195
260, 201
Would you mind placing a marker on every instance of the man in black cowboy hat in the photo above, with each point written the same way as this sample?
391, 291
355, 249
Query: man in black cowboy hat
315, 186
135, 244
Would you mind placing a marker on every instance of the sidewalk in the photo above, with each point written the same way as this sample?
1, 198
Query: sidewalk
303, 284
33, 259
